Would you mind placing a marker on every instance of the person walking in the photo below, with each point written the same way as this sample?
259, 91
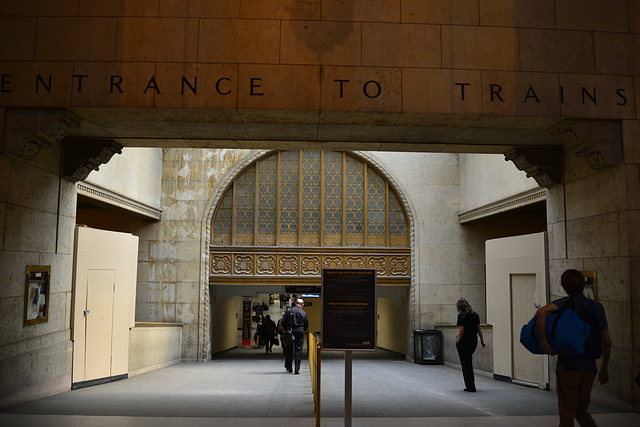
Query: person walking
467, 341
280, 331
575, 374
270, 329
258, 336
287, 340
297, 321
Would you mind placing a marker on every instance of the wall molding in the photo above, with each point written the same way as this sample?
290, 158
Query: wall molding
106, 196
525, 198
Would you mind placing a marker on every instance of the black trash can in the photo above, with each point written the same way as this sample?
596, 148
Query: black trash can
428, 347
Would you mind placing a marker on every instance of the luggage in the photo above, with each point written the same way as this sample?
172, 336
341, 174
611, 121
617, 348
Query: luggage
566, 333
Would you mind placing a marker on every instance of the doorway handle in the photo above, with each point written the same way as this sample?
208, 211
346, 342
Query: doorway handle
86, 312
536, 305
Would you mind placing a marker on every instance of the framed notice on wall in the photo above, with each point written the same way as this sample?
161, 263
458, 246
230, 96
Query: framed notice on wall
349, 311
36, 294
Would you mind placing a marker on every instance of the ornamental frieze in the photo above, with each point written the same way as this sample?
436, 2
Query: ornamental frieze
266, 264
332, 262
379, 263
310, 265
243, 264
220, 264
288, 264
259, 265
355, 262
399, 266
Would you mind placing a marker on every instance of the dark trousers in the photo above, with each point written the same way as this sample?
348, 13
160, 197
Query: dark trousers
466, 361
574, 395
268, 343
288, 354
298, 343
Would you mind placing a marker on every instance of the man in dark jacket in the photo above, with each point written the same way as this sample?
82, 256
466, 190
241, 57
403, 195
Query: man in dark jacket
575, 374
297, 321
270, 330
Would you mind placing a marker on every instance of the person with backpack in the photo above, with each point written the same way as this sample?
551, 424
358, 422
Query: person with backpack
575, 375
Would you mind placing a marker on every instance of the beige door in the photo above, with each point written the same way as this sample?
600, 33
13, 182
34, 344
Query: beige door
517, 273
104, 295
98, 319
527, 367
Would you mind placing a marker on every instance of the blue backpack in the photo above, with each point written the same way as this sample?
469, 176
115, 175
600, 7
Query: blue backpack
566, 332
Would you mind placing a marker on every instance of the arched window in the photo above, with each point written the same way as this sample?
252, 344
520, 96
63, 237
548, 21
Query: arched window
293, 212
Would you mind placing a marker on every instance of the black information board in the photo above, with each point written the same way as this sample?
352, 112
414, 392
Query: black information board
349, 311
246, 320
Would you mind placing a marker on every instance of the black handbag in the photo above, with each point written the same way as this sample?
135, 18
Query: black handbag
287, 338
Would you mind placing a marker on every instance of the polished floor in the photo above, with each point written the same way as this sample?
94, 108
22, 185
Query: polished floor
247, 387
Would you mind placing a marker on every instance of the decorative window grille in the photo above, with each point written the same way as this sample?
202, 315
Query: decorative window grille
244, 209
266, 195
289, 186
221, 226
310, 198
333, 198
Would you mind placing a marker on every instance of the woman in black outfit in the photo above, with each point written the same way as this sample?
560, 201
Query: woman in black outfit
467, 341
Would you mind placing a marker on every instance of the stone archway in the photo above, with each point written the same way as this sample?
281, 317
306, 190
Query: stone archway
216, 196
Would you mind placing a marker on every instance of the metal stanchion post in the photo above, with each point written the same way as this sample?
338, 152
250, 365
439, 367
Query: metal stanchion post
348, 386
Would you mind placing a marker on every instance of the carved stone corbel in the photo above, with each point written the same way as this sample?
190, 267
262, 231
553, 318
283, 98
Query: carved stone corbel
544, 164
83, 156
29, 131
598, 142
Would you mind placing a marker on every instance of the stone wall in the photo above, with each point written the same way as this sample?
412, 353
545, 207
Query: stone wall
409, 56
593, 227
37, 220
171, 274
448, 263
135, 174
631, 149
153, 346
486, 178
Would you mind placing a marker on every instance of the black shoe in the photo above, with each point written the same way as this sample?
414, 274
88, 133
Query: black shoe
472, 390
289, 370
296, 373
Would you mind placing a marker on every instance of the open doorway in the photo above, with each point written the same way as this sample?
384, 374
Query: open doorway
227, 307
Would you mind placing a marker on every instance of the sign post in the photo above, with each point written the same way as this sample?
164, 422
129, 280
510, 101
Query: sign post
349, 318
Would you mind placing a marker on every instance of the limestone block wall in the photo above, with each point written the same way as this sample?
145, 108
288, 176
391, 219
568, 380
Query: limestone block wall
446, 265
631, 147
153, 346
37, 220
170, 277
423, 54
593, 226
487, 178
135, 174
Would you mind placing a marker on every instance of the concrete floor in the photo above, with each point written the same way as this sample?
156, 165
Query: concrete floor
246, 387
